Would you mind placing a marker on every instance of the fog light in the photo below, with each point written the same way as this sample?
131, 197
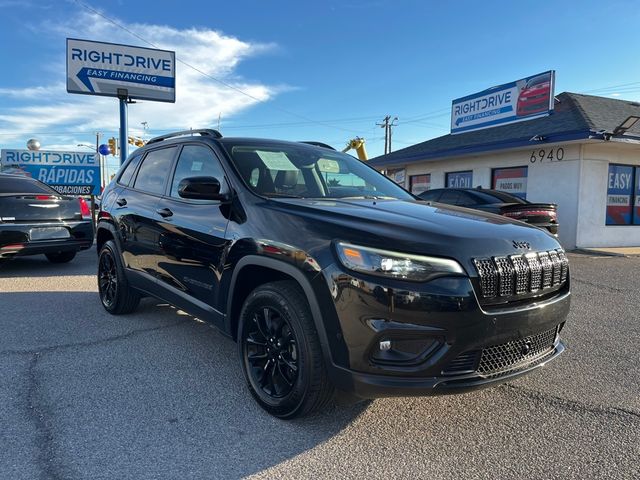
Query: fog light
403, 351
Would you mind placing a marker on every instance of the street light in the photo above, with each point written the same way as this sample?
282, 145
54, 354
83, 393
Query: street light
626, 125
92, 147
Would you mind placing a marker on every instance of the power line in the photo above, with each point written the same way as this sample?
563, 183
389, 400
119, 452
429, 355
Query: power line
433, 114
222, 82
613, 87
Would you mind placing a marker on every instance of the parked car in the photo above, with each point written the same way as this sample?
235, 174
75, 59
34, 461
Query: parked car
35, 219
364, 290
534, 97
543, 215
14, 169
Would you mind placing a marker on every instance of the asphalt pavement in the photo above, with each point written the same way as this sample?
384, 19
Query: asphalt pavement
159, 394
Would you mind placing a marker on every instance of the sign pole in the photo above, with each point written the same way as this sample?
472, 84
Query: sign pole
124, 135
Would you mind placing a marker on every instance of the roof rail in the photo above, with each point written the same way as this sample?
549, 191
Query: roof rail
318, 144
205, 132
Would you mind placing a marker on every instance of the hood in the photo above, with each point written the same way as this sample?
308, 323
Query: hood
418, 227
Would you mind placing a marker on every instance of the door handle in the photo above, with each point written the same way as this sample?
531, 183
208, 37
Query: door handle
164, 212
121, 201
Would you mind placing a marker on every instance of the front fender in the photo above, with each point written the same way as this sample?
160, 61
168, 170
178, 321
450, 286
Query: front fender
318, 296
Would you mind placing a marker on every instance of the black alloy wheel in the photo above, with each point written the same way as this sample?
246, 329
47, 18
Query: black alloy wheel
116, 295
271, 353
107, 279
280, 351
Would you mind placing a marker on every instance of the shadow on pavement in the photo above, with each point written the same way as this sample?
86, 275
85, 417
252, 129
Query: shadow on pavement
85, 263
153, 394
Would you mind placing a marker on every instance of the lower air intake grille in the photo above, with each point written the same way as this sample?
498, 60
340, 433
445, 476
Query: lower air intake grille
464, 363
511, 355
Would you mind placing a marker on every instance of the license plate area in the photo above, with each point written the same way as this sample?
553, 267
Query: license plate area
49, 233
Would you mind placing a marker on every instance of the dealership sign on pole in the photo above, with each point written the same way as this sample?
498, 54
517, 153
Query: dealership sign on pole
97, 68
69, 173
524, 99
122, 71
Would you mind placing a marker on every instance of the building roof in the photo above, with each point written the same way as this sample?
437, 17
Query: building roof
575, 117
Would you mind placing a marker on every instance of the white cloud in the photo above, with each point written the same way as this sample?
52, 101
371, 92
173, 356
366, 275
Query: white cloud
199, 99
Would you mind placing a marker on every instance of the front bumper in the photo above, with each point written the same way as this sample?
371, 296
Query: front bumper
376, 386
434, 325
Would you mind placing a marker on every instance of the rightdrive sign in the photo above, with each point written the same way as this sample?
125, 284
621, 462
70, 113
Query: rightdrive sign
99, 68
69, 173
524, 99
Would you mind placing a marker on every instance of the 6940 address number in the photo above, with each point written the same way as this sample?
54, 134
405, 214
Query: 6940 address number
543, 155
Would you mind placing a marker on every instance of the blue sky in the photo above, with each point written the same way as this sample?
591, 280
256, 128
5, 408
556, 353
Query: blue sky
326, 71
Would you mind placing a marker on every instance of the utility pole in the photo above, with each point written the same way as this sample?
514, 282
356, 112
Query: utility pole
387, 124
99, 159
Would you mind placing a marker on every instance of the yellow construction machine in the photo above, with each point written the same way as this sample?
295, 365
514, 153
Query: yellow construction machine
358, 145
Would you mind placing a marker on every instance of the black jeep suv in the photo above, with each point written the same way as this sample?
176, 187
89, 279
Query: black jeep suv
329, 276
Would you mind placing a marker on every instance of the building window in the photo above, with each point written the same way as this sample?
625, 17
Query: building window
622, 195
512, 180
459, 179
419, 183
397, 175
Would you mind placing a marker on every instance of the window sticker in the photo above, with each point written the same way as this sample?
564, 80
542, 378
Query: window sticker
419, 183
460, 179
328, 166
276, 160
511, 180
619, 195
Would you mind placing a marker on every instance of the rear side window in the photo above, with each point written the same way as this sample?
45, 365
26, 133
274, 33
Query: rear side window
154, 170
430, 195
465, 199
197, 161
127, 174
16, 184
451, 197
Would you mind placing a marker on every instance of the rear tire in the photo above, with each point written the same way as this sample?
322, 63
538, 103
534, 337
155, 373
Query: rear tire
60, 257
116, 295
280, 351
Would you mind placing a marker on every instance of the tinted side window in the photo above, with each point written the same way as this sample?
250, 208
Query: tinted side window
430, 195
127, 174
450, 196
154, 170
465, 199
197, 161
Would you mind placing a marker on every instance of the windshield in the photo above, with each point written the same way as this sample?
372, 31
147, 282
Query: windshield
305, 171
538, 80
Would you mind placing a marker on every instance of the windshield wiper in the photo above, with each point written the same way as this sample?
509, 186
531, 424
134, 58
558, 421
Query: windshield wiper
366, 197
280, 195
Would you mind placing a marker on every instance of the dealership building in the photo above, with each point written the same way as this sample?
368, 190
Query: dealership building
584, 155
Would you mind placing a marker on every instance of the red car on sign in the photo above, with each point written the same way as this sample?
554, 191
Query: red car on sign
534, 97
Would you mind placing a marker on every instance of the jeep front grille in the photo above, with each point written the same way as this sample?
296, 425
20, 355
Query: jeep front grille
521, 274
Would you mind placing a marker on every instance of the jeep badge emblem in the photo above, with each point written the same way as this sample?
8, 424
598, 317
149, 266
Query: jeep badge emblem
521, 245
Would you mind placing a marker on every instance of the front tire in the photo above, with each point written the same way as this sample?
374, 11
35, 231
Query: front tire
280, 351
60, 257
116, 295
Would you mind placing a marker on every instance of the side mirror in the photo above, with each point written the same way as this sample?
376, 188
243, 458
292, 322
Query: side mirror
201, 188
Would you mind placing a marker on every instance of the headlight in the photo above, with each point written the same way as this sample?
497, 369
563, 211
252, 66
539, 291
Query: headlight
405, 266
